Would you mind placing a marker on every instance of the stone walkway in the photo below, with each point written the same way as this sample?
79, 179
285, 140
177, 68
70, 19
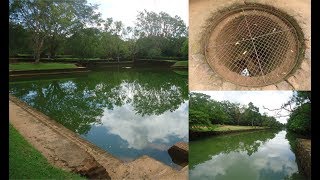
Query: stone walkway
201, 76
67, 150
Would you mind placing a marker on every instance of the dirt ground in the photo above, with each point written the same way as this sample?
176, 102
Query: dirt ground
67, 150
202, 77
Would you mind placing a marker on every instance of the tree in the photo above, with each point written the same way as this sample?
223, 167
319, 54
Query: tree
51, 20
204, 110
300, 119
199, 109
184, 49
298, 98
161, 25
159, 32
299, 109
132, 42
113, 43
218, 113
86, 43
252, 113
19, 39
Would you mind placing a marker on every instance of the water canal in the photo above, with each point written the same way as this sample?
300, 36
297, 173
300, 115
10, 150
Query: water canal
127, 112
263, 155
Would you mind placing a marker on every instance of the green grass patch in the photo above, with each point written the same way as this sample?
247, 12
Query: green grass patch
184, 73
169, 60
78, 59
203, 128
40, 66
217, 127
155, 59
181, 64
25, 162
236, 128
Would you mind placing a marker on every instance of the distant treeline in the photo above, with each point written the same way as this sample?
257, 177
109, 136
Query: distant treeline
204, 111
75, 28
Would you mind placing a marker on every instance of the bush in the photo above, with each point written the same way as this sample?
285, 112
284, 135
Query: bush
300, 120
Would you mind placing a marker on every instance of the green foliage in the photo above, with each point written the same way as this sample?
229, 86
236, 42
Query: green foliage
160, 25
203, 109
49, 22
300, 97
185, 48
300, 120
198, 118
85, 43
19, 40
25, 162
154, 52
61, 27
180, 64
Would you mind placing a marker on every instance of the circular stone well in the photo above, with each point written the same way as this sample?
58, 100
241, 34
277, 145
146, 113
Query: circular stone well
253, 45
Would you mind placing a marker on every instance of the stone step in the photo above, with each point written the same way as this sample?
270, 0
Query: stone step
179, 153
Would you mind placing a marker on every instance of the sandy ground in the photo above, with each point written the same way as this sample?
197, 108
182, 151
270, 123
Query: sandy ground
201, 76
67, 150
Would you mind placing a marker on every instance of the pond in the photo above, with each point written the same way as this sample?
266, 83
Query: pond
249, 155
127, 112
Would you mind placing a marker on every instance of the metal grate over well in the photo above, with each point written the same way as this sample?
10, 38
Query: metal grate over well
252, 46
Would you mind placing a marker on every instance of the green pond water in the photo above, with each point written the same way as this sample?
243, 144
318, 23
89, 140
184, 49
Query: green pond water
264, 155
127, 112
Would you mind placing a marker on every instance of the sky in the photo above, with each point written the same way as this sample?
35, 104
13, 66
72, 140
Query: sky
268, 99
127, 10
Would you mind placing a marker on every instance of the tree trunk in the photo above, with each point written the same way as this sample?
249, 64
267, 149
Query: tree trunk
37, 47
37, 57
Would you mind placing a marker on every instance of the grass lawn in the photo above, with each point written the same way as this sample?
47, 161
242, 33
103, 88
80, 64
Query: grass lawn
181, 64
168, 60
25, 162
202, 128
181, 72
79, 59
217, 127
235, 128
32, 66
163, 60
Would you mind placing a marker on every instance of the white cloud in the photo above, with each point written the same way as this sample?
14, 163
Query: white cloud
268, 99
127, 10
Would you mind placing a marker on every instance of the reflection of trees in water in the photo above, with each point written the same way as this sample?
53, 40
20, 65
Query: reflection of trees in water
294, 176
80, 102
292, 138
248, 142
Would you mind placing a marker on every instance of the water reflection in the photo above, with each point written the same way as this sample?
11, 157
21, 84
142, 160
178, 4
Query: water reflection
268, 157
138, 110
140, 131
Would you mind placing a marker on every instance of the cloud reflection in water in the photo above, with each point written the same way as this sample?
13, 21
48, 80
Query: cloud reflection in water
273, 159
139, 131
